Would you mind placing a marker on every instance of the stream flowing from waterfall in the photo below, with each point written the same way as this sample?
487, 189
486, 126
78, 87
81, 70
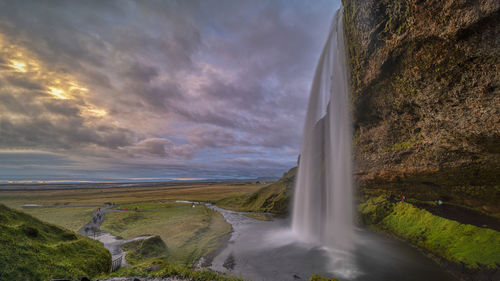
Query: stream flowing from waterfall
323, 202
269, 251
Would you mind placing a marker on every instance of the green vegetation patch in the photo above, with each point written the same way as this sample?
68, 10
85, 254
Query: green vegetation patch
321, 278
141, 250
161, 268
72, 218
190, 232
374, 210
33, 250
406, 144
261, 217
474, 246
274, 198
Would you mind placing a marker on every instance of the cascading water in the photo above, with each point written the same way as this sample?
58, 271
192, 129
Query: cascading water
323, 203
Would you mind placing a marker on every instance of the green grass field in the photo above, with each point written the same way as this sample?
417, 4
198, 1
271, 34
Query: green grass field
72, 218
188, 232
77, 197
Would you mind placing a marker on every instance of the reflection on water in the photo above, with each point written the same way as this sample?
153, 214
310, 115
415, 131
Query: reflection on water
267, 250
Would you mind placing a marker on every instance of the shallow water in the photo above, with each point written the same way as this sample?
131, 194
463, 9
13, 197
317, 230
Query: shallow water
267, 250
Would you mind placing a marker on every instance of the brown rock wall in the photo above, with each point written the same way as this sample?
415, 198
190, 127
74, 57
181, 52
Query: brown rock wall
426, 98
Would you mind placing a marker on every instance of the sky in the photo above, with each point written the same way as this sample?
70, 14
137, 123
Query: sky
155, 90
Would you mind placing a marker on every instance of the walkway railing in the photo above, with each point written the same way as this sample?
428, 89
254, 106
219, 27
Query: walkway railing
116, 263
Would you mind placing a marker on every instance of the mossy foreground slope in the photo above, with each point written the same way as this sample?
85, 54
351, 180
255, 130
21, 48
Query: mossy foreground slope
33, 250
474, 247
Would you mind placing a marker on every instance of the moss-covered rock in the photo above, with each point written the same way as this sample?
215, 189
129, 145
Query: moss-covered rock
33, 250
321, 278
426, 90
141, 250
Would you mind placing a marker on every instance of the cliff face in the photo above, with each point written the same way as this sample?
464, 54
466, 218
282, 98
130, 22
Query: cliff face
426, 98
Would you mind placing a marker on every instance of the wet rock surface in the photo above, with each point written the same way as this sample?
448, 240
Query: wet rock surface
426, 96
462, 215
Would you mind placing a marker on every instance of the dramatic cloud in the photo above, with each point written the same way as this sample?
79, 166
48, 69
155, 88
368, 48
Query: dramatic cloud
155, 89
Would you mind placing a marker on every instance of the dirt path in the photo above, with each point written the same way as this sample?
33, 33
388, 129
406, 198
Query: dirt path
144, 279
92, 228
461, 215
111, 243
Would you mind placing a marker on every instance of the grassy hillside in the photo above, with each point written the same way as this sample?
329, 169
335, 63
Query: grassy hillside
274, 198
141, 250
475, 247
148, 258
33, 250
160, 268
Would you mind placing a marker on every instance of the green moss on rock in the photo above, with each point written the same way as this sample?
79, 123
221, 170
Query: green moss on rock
476, 247
321, 278
141, 250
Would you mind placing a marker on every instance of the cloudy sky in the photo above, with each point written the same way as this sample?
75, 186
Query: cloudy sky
138, 90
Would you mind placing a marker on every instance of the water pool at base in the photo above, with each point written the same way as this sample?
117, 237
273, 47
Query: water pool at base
267, 250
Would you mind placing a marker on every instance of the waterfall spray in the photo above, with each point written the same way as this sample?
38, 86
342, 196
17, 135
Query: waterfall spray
323, 203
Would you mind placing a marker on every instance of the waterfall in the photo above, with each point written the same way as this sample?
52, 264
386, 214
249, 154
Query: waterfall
323, 203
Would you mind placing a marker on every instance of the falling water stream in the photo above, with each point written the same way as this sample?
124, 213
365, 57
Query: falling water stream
323, 204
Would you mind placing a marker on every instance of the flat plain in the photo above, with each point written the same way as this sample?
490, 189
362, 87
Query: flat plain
189, 232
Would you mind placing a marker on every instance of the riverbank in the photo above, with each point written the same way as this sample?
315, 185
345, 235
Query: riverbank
467, 251
189, 232
268, 250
